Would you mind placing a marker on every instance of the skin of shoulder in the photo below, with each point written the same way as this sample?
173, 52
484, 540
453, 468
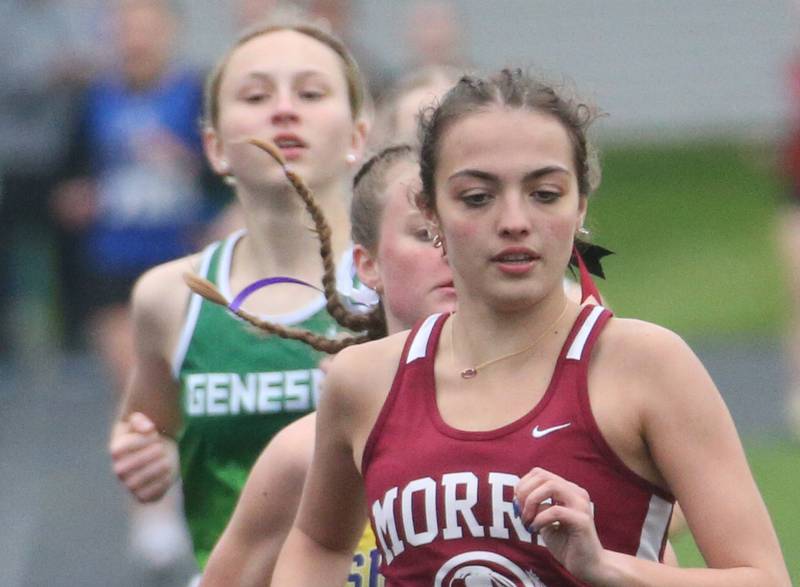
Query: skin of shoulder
661, 412
332, 512
248, 549
641, 377
358, 381
158, 308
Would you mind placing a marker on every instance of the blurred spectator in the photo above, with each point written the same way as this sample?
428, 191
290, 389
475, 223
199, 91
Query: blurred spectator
340, 15
436, 34
248, 12
132, 195
45, 49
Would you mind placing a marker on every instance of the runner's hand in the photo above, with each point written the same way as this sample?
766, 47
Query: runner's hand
561, 512
144, 460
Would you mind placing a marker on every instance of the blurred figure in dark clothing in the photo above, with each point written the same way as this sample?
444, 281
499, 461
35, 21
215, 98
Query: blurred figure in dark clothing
134, 196
132, 191
45, 48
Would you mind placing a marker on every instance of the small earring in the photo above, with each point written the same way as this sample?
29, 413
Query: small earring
350, 158
229, 180
438, 243
583, 232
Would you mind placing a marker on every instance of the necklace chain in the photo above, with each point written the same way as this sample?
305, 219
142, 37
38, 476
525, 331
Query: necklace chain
471, 372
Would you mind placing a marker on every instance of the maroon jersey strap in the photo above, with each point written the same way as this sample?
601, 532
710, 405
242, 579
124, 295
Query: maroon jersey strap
417, 346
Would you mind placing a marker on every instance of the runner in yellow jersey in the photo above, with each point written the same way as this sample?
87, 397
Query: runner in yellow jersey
393, 256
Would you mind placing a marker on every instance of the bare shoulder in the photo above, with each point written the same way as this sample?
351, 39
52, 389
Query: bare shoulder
160, 298
291, 448
645, 384
357, 383
650, 363
636, 347
360, 368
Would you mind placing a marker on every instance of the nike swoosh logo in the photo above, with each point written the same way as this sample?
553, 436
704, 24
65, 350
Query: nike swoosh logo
537, 433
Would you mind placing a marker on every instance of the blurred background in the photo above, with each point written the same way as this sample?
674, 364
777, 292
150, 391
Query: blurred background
700, 200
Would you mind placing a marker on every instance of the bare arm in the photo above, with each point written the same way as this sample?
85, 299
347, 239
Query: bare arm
693, 444
318, 549
248, 549
142, 445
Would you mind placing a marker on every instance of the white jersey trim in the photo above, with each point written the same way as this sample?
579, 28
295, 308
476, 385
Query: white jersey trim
419, 345
195, 301
343, 273
654, 528
224, 266
576, 348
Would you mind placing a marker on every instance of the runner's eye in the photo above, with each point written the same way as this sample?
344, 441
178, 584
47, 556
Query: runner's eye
476, 199
544, 195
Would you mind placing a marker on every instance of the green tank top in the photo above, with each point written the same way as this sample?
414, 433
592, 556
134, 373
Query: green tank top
239, 387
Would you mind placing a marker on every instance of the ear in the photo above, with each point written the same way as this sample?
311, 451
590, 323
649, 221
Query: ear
358, 141
215, 152
583, 206
367, 268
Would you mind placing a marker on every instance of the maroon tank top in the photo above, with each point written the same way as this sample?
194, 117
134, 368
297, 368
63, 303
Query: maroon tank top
440, 499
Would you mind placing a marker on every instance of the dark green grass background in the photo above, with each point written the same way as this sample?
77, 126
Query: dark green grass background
694, 231
693, 227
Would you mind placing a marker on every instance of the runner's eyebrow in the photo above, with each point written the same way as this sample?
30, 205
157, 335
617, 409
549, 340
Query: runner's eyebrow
537, 173
492, 178
298, 77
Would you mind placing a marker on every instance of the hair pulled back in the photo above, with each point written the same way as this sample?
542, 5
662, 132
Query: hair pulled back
369, 194
508, 89
356, 87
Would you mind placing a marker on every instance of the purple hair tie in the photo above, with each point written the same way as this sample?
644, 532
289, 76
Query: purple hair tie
256, 285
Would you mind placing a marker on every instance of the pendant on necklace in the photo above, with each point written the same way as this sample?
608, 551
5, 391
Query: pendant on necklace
469, 373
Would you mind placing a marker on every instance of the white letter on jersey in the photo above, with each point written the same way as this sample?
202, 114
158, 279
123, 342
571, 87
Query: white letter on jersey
316, 381
502, 510
428, 486
243, 393
270, 392
217, 394
297, 391
383, 517
195, 396
453, 505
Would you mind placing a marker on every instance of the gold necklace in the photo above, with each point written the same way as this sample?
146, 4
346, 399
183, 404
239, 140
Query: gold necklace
471, 372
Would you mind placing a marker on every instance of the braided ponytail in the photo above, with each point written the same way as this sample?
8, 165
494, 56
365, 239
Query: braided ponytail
372, 324
209, 291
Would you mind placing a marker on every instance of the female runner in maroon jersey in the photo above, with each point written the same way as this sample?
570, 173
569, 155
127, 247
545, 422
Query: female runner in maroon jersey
526, 439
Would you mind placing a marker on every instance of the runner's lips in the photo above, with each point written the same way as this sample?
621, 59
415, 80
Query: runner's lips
516, 255
289, 141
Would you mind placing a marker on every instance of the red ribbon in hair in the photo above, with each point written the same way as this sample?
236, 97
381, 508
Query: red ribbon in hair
593, 254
